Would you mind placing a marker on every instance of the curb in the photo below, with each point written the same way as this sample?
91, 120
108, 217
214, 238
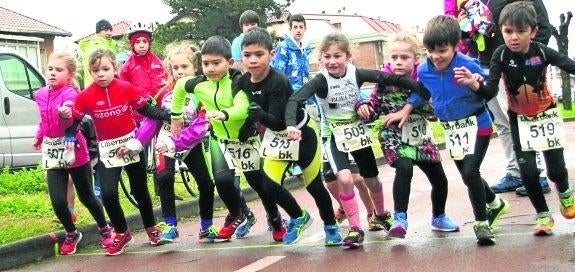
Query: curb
43, 246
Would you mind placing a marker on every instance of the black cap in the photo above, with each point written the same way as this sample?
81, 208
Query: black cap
103, 24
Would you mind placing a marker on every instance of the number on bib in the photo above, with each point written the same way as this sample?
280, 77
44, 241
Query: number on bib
351, 136
460, 136
416, 130
277, 146
55, 155
542, 132
242, 156
110, 152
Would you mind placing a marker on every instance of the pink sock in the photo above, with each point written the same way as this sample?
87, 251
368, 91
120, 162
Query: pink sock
377, 198
349, 205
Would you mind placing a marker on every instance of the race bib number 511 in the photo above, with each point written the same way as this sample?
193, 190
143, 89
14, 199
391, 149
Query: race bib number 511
460, 136
541, 132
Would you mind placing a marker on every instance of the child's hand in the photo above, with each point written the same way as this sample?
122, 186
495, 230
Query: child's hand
364, 111
218, 115
36, 144
161, 147
463, 76
176, 126
293, 133
400, 116
65, 112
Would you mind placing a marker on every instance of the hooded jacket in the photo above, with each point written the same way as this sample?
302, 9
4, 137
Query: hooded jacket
293, 61
52, 125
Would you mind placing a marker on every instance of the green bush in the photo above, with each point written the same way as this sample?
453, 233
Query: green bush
24, 181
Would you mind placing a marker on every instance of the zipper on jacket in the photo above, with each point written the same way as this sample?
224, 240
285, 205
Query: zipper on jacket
108, 98
218, 107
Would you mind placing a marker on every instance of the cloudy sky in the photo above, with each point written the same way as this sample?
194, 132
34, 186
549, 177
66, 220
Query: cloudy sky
82, 15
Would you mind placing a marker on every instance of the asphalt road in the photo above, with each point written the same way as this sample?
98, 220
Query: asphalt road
422, 249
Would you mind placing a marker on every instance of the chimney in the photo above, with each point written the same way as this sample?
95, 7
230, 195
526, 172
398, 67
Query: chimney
339, 11
323, 12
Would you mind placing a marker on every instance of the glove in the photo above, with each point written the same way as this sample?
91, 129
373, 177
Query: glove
70, 139
255, 112
246, 131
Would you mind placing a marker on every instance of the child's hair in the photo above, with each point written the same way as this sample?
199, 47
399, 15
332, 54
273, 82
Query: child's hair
249, 16
520, 14
441, 30
409, 38
100, 53
69, 61
217, 45
258, 36
296, 18
335, 38
186, 48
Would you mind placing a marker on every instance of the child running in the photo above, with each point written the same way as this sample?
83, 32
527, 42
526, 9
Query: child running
409, 145
268, 91
536, 124
464, 116
54, 103
109, 101
337, 89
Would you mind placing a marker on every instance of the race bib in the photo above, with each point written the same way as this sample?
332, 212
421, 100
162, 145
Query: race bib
55, 155
416, 130
109, 152
541, 132
242, 156
165, 135
351, 136
277, 146
460, 136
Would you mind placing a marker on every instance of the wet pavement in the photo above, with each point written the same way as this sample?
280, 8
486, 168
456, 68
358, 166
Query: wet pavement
422, 249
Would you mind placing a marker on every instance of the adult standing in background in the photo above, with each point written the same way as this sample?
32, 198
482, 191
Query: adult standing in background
482, 48
103, 38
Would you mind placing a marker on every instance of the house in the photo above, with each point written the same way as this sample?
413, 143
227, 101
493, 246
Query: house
368, 35
32, 38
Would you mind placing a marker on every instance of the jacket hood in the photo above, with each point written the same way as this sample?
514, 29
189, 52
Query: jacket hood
292, 44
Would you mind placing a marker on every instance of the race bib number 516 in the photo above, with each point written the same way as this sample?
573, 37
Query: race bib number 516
242, 156
541, 132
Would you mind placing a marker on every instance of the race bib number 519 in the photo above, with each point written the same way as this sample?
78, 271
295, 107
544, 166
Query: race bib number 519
541, 132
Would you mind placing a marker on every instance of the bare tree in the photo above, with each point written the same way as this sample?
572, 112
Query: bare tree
563, 46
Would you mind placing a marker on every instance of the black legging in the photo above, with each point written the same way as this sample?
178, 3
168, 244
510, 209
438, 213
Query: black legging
199, 170
554, 160
137, 177
402, 184
58, 186
477, 188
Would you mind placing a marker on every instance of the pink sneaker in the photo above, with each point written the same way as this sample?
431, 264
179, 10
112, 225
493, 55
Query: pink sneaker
154, 234
70, 242
107, 234
121, 240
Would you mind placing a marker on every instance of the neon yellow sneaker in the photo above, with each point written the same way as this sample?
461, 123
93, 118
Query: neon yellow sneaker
543, 225
567, 206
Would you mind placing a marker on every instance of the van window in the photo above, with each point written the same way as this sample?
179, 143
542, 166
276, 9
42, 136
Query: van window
18, 77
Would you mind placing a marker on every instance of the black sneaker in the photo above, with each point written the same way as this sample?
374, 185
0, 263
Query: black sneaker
521, 191
484, 234
354, 238
494, 214
380, 222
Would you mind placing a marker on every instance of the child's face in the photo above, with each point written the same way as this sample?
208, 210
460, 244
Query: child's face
441, 56
58, 73
402, 58
517, 39
297, 30
247, 26
334, 59
256, 59
141, 46
181, 66
103, 72
215, 66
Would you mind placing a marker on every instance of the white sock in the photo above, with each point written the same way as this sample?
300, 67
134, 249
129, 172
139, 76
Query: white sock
495, 203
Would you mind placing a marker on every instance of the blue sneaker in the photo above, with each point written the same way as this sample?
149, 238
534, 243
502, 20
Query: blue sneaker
444, 223
521, 191
242, 231
296, 170
399, 227
296, 226
169, 233
507, 184
332, 235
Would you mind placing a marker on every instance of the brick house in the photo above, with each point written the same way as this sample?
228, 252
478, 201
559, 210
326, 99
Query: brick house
368, 35
32, 38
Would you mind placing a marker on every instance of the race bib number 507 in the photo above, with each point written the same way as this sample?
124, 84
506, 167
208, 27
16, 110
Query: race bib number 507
55, 155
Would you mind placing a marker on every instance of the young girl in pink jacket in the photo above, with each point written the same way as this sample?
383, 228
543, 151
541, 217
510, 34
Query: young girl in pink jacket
54, 102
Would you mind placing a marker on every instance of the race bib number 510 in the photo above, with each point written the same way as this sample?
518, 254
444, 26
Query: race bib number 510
416, 130
110, 155
460, 136
351, 136
541, 132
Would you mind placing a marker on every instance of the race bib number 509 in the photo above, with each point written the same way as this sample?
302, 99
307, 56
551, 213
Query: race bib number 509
109, 152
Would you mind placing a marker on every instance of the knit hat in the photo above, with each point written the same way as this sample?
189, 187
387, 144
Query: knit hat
135, 36
103, 24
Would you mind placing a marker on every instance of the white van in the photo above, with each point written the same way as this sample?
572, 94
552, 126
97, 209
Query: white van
18, 111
